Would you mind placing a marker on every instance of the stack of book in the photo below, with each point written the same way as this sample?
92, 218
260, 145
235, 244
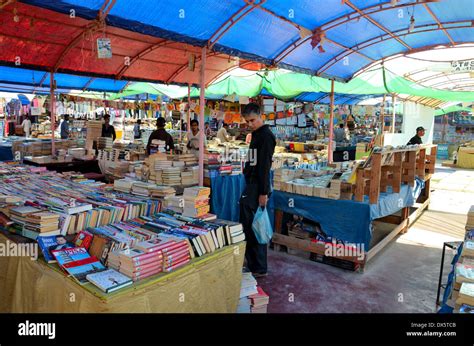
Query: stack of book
94, 131
162, 191
138, 264
175, 254
104, 143
174, 203
248, 288
157, 146
123, 185
211, 164
259, 301
43, 223
111, 155
171, 176
142, 189
234, 229
20, 214
196, 201
6, 199
187, 159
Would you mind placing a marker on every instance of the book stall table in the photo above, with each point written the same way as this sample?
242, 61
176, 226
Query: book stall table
210, 283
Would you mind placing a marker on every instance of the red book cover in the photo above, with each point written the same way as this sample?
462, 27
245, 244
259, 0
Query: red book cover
178, 247
177, 254
176, 260
177, 265
137, 255
141, 273
83, 239
143, 267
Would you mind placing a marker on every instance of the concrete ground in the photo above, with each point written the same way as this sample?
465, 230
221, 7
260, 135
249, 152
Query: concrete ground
402, 278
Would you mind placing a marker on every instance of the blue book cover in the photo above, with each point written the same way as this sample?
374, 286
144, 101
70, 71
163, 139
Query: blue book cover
47, 244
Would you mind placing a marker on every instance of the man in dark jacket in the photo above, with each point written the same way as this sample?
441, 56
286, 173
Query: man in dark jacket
161, 135
416, 139
258, 185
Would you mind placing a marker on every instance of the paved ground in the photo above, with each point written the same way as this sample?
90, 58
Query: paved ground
401, 278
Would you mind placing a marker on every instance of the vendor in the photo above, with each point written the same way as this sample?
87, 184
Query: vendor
416, 139
107, 129
193, 138
340, 134
160, 134
222, 134
65, 127
137, 132
207, 130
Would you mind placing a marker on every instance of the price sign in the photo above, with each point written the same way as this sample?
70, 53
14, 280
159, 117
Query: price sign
72, 202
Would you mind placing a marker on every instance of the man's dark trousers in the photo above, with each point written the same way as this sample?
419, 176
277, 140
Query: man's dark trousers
255, 253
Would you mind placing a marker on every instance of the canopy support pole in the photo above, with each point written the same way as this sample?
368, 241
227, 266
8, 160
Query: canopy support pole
393, 113
52, 111
202, 84
445, 122
188, 125
331, 123
382, 118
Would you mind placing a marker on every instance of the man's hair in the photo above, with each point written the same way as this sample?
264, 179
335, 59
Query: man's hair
139, 121
251, 108
225, 125
66, 116
160, 122
107, 116
206, 123
341, 126
194, 121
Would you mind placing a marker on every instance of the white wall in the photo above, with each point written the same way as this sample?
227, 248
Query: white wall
414, 115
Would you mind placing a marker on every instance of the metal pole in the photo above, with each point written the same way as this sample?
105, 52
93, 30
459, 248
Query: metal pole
445, 121
52, 111
393, 113
188, 125
331, 123
202, 84
382, 118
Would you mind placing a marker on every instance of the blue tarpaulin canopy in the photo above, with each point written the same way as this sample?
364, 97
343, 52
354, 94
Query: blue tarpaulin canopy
330, 38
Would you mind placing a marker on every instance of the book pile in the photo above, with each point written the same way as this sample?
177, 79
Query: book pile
174, 203
259, 301
162, 191
211, 164
6, 199
94, 131
235, 229
80, 205
43, 223
248, 288
196, 201
142, 189
175, 254
108, 154
187, 159
225, 169
20, 214
171, 176
123, 185
136, 264
77, 153
105, 143
157, 146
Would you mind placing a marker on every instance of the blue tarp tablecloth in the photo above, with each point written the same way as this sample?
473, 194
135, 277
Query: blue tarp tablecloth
449, 285
6, 153
349, 221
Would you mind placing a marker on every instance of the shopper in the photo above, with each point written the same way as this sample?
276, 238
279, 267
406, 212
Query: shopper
107, 129
416, 139
258, 186
222, 134
207, 130
26, 124
193, 138
162, 135
339, 134
65, 127
137, 131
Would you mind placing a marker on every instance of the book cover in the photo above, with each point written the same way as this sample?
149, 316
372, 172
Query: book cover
109, 280
64, 256
46, 244
83, 239
81, 268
